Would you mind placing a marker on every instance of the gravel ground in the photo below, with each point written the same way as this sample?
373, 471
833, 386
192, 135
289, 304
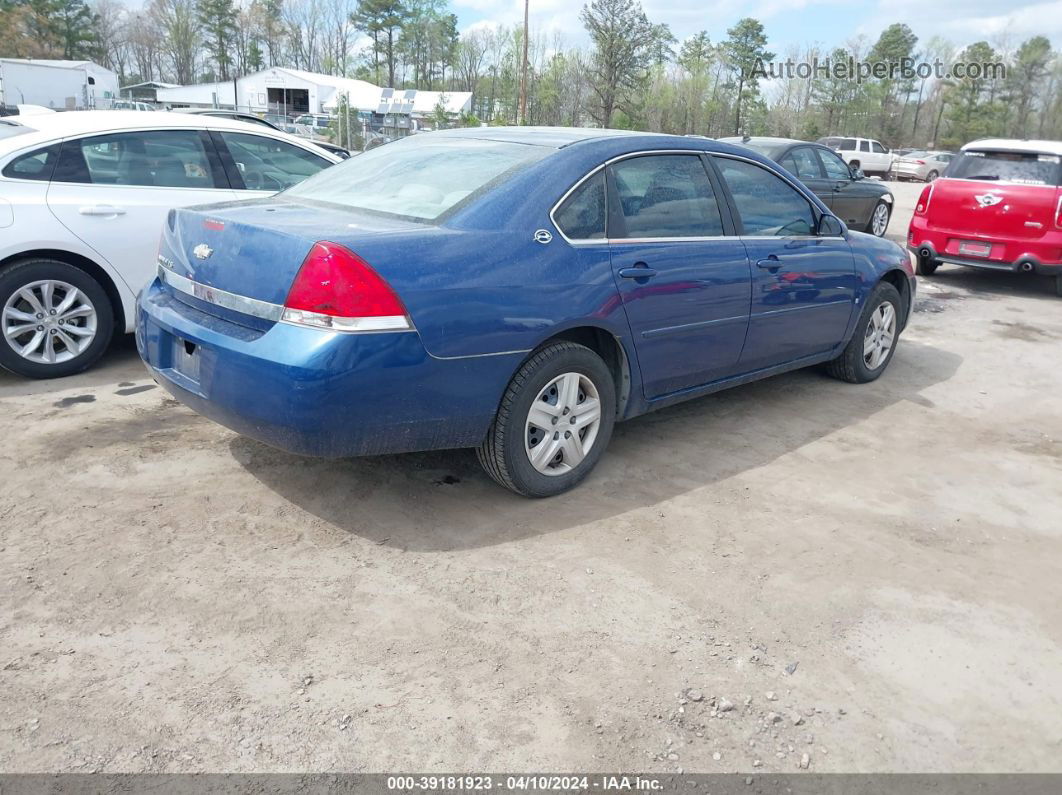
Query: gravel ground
796, 573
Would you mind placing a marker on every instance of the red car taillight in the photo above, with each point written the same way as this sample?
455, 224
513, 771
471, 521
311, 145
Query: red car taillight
336, 289
923, 200
1058, 213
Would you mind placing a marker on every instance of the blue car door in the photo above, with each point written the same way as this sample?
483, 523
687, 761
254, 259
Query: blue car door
684, 284
803, 284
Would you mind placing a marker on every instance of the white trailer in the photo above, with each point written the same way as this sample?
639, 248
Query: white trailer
59, 85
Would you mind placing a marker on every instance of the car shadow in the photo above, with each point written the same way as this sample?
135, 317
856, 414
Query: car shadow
119, 364
443, 501
1026, 285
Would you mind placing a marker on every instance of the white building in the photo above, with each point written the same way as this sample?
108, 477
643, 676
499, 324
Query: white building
60, 85
293, 91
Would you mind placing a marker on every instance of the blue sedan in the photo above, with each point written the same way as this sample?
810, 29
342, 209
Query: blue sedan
516, 290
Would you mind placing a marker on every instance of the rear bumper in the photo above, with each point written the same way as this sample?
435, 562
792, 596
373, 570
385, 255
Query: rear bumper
1042, 255
319, 393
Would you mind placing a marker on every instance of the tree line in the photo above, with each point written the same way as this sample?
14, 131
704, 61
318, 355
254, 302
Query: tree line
635, 73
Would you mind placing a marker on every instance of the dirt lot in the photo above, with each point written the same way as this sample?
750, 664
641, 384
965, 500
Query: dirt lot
865, 575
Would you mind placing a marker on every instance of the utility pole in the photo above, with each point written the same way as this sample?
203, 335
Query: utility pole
523, 72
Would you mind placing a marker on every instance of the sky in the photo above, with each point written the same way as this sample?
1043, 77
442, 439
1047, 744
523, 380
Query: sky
790, 23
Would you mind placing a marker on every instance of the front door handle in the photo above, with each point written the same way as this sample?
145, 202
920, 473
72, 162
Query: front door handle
639, 272
101, 209
771, 263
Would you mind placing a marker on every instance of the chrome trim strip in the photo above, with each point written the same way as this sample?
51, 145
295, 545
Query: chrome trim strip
222, 298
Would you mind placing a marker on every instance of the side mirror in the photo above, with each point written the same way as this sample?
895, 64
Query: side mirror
857, 173
829, 226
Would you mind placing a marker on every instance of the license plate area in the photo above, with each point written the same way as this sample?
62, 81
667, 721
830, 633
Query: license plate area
186, 358
974, 248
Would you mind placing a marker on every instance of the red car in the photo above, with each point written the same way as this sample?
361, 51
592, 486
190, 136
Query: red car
998, 206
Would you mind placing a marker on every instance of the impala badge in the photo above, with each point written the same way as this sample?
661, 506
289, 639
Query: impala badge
543, 236
988, 199
202, 251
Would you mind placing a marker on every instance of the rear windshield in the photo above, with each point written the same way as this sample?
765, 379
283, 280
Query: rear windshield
421, 177
1027, 168
9, 129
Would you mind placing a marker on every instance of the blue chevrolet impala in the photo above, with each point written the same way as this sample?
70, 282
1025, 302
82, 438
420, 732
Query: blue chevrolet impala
514, 290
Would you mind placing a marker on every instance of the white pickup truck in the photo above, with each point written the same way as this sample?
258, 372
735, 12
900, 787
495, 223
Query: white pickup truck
871, 156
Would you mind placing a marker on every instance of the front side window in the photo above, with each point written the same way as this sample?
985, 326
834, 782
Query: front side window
767, 204
834, 166
802, 163
35, 165
268, 164
420, 177
667, 196
582, 215
156, 158
881, 150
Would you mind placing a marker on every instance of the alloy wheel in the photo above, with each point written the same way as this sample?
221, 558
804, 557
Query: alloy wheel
48, 322
562, 424
880, 221
880, 335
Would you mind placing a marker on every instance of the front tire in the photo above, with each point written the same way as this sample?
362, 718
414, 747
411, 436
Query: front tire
1058, 285
55, 319
932, 175
554, 422
879, 219
873, 342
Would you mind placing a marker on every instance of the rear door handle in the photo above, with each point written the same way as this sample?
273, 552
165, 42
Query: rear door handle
101, 209
638, 272
771, 263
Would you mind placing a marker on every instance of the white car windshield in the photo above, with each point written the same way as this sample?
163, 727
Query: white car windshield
417, 178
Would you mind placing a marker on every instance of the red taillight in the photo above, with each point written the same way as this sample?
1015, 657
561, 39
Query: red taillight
337, 289
921, 162
923, 200
1058, 213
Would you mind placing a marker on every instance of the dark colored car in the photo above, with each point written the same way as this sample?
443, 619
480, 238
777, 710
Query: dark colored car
517, 290
861, 203
250, 118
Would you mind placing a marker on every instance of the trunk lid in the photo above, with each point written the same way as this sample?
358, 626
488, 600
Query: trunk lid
255, 249
992, 209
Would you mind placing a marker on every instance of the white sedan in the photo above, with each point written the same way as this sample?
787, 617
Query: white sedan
83, 197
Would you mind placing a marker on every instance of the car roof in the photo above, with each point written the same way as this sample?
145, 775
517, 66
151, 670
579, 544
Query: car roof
1015, 145
555, 137
53, 126
765, 140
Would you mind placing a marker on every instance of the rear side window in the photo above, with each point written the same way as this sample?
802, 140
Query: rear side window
420, 177
864, 146
268, 164
767, 204
582, 216
667, 196
157, 158
847, 145
1027, 168
36, 165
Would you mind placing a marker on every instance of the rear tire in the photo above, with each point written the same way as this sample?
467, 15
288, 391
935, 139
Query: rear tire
1058, 285
55, 319
932, 175
926, 267
864, 358
557, 387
